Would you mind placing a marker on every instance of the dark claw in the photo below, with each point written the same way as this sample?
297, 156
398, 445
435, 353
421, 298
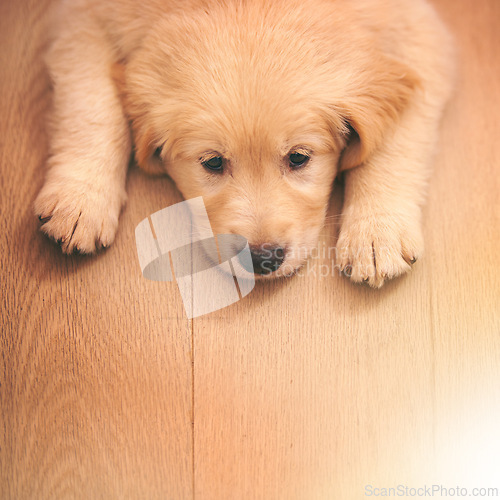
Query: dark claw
410, 261
348, 271
99, 246
43, 220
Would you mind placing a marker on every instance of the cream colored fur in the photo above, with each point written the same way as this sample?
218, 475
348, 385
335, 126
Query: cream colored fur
359, 85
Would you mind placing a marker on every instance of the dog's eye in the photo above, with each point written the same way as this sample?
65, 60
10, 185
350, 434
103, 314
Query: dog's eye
298, 160
215, 164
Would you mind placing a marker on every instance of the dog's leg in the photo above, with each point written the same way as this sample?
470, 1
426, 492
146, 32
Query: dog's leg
381, 234
84, 190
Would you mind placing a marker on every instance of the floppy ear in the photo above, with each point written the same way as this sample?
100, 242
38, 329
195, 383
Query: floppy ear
373, 106
118, 77
146, 144
147, 151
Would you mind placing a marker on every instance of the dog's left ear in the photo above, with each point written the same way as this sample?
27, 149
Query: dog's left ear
374, 104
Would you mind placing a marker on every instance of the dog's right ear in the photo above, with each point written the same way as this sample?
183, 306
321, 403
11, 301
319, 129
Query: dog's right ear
147, 150
118, 77
147, 147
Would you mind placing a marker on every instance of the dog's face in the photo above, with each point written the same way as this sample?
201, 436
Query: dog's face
264, 173
255, 121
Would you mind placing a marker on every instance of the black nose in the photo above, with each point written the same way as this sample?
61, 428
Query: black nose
266, 258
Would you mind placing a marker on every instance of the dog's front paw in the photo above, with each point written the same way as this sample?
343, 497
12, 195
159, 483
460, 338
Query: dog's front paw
80, 217
373, 249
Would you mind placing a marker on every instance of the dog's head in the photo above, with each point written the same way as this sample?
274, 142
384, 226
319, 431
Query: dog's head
256, 110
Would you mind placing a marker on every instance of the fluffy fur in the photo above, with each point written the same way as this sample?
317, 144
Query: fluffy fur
357, 86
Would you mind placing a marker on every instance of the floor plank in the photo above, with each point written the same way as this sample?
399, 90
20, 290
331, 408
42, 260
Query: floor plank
95, 368
316, 389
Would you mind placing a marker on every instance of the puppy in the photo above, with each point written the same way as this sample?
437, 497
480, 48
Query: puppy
255, 105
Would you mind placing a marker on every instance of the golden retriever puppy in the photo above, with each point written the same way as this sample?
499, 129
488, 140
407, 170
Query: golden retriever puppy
256, 105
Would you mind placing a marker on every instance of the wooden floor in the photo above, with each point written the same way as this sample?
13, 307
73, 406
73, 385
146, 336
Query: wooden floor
310, 388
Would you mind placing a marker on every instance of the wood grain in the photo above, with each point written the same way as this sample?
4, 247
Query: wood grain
96, 361
309, 388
